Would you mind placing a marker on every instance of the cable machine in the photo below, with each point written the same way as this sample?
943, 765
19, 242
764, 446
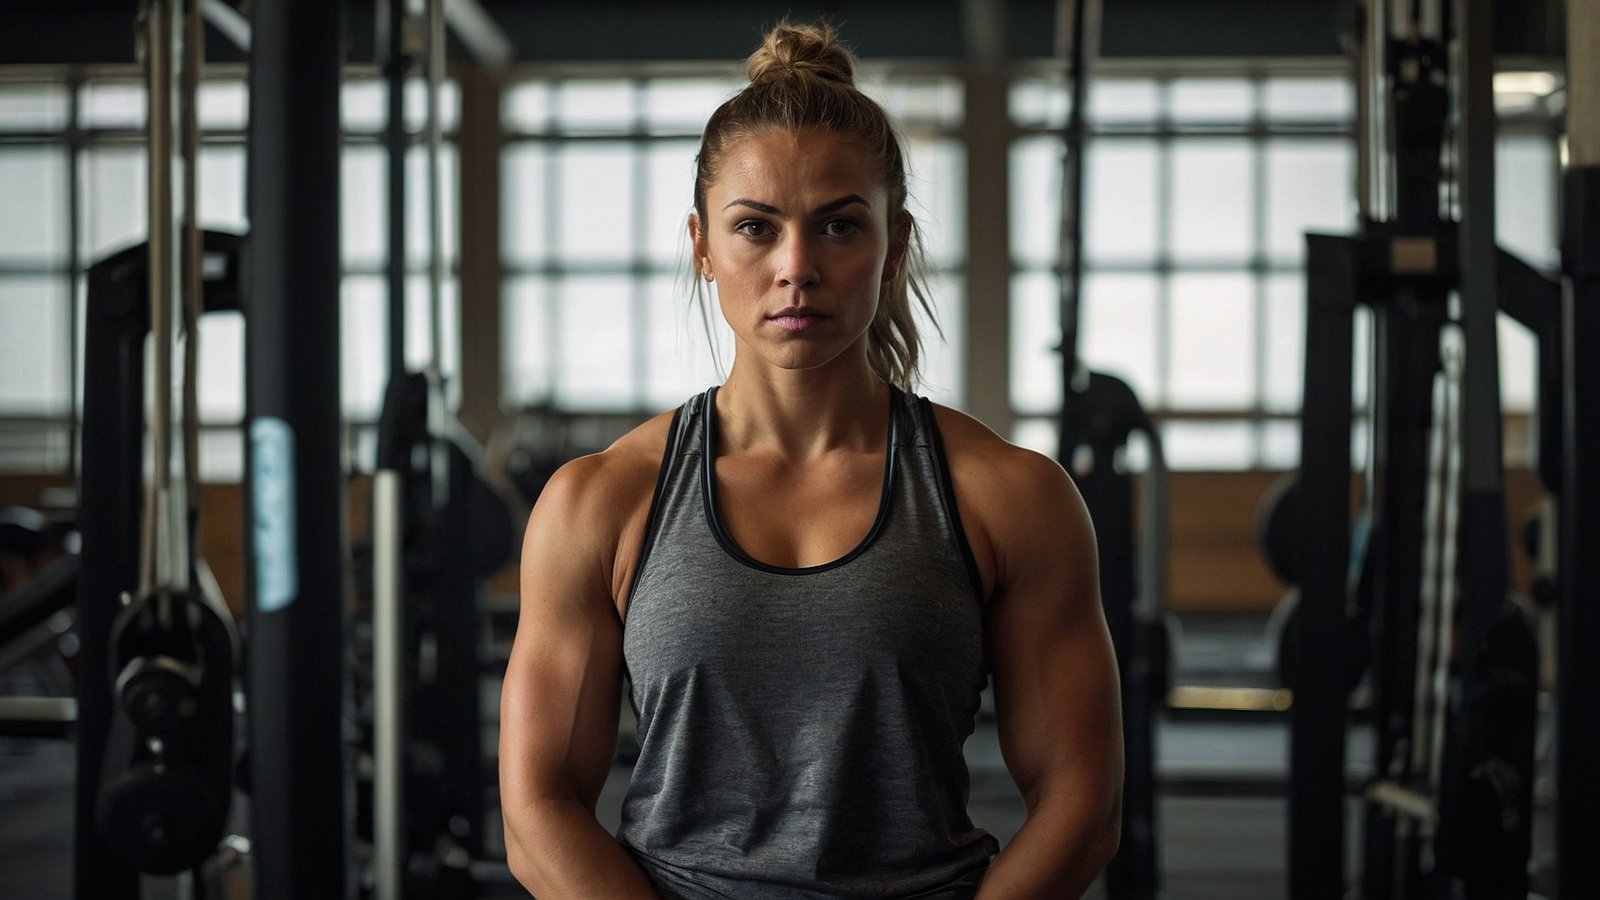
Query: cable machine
1454, 661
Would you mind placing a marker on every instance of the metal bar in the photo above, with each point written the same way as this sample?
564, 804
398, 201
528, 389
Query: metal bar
388, 680
1578, 672
1317, 718
397, 141
435, 137
159, 224
299, 828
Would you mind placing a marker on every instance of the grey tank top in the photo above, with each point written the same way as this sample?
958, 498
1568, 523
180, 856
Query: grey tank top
801, 730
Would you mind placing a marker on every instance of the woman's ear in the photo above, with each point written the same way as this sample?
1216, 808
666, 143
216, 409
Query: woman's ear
899, 244
697, 245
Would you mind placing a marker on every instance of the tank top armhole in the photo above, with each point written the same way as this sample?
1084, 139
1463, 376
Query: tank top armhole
653, 520
947, 494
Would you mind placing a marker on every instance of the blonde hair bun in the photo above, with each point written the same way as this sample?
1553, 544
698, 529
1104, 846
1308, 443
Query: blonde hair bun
792, 50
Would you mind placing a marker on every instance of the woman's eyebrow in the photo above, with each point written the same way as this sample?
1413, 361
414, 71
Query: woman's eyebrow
822, 210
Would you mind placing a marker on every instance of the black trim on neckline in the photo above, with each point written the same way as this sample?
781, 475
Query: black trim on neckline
708, 491
947, 493
652, 522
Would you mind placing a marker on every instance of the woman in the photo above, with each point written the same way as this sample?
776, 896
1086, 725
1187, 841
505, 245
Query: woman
808, 574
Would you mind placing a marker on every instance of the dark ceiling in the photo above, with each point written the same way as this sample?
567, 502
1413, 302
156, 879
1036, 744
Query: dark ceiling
101, 31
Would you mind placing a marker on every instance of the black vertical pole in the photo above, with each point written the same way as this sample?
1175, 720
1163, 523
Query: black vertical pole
296, 490
116, 321
1317, 718
1578, 672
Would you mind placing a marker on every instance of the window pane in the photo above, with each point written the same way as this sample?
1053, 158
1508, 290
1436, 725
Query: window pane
1211, 100
594, 327
1208, 446
1310, 187
418, 211
33, 107
595, 105
1280, 445
35, 377
1123, 100
917, 103
112, 104
220, 189
679, 357
364, 105
1211, 332
937, 183
684, 104
1120, 326
1519, 365
1040, 435
1035, 333
1324, 99
1120, 201
1525, 215
1212, 200
525, 211
1035, 201
221, 455
526, 107
596, 200
223, 105
670, 198
363, 214
1039, 102
420, 337
33, 201
528, 348
1284, 340
112, 182
219, 386
943, 375
364, 346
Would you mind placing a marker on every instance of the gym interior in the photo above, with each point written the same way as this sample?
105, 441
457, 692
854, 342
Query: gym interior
1300, 293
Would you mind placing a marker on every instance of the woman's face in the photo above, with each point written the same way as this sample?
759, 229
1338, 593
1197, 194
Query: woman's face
797, 238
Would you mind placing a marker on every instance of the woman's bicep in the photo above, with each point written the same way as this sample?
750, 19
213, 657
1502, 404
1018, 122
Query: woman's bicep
560, 697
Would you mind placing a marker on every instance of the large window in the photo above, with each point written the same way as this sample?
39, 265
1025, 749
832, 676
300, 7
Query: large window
1198, 192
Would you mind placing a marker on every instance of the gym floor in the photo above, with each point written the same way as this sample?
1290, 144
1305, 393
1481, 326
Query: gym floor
1220, 808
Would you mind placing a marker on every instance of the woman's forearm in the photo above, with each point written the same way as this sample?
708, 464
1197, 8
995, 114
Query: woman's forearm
1059, 851
557, 850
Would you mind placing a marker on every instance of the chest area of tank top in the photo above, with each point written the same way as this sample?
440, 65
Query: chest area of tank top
794, 517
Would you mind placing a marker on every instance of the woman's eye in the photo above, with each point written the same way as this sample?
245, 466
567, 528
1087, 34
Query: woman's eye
752, 228
840, 228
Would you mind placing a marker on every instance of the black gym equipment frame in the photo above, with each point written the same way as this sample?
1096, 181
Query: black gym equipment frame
296, 564
1475, 806
117, 321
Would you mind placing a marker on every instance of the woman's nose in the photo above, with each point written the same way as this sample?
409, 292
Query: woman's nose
797, 266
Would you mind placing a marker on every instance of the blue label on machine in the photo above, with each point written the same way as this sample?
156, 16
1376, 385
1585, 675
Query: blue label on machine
272, 499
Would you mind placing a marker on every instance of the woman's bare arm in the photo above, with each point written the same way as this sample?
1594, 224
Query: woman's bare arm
559, 703
1056, 695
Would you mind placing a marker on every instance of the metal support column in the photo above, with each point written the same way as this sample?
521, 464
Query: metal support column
296, 490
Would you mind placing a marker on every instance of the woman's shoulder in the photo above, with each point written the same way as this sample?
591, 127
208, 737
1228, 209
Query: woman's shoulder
975, 452
605, 489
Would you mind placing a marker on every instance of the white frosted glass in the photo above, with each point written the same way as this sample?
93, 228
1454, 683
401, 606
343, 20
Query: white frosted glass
1119, 329
35, 377
1211, 336
1299, 98
1039, 102
219, 385
937, 185
1526, 211
220, 189
669, 199
943, 372
678, 352
595, 344
33, 107
595, 105
684, 104
1035, 201
420, 337
524, 203
223, 105
914, 104
418, 239
527, 348
1212, 200
526, 107
112, 104
1208, 446
1123, 100
1035, 333
364, 212
1280, 445
1211, 100
595, 198
33, 204
1120, 201
1039, 435
1519, 365
1284, 337
112, 199
1310, 187
364, 346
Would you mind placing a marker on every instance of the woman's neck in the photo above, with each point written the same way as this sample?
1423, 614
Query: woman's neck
800, 415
